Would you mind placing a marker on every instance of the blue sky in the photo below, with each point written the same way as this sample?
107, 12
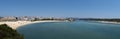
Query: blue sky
61, 8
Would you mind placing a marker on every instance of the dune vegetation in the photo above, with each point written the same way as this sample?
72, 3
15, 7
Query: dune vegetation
8, 33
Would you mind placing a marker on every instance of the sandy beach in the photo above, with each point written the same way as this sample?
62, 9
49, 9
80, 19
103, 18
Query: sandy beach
17, 24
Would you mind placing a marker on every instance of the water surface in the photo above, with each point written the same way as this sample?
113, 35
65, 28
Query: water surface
70, 30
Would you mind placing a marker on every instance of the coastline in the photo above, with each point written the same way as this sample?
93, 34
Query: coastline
15, 25
107, 22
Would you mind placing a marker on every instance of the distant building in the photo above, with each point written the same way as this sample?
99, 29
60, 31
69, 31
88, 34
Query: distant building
9, 18
22, 18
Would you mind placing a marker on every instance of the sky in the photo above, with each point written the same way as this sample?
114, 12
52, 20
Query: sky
61, 8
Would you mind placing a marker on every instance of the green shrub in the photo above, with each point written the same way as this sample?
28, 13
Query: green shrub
8, 33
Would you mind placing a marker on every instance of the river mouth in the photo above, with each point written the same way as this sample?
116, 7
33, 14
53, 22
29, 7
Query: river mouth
70, 30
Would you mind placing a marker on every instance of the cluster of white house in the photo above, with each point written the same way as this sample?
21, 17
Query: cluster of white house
22, 18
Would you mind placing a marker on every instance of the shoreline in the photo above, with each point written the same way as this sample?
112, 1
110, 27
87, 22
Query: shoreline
17, 24
107, 22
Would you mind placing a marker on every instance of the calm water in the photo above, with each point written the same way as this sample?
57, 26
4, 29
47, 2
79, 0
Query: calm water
70, 30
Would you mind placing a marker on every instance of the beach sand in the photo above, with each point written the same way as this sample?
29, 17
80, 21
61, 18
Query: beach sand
15, 25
